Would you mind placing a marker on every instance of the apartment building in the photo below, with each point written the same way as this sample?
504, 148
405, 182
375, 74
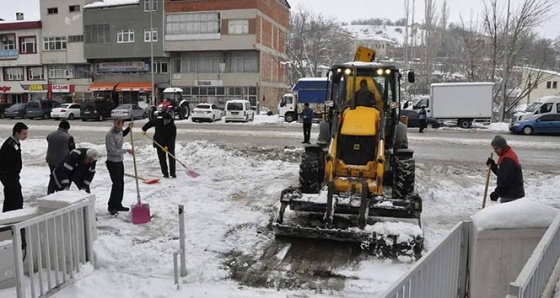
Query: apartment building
542, 82
119, 38
62, 52
223, 50
22, 77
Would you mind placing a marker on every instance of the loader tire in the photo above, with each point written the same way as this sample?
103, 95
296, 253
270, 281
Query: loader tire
311, 172
403, 179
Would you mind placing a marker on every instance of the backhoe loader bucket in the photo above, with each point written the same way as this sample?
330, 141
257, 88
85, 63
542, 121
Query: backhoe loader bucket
382, 227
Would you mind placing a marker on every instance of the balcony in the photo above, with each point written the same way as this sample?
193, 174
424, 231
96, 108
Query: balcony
9, 54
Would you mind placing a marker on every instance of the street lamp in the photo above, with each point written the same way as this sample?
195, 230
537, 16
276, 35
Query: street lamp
153, 100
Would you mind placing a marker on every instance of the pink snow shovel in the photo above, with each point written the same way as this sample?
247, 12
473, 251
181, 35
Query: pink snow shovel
191, 173
140, 212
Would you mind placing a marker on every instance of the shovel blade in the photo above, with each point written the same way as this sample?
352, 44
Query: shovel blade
140, 214
151, 181
192, 174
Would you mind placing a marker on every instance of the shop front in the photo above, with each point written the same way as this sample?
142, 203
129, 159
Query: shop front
134, 92
11, 92
61, 93
104, 91
35, 91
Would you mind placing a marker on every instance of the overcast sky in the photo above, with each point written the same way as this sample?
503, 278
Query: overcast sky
343, 10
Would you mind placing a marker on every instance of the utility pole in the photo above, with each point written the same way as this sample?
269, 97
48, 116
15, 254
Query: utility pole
153, 100
505, 66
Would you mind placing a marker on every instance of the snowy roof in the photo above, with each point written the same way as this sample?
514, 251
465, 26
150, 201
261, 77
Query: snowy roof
550, 72
108, 3
382, 33
519, 214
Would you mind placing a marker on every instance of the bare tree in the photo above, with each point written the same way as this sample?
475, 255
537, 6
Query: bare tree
430, 40
406, 44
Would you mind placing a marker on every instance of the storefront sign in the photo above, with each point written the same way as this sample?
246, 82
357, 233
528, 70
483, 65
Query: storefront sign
9, 54
36, 88
4, 89
134, 66
60, 88
218, 83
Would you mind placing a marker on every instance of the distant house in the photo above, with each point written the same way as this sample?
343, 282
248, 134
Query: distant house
383, 39
542, 82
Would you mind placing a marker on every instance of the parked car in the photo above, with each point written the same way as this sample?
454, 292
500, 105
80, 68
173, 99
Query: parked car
96, 110
239, 110
538, 124
3, 107
66, 111
16, 111
206, 112
413, 120
128, 111
40, 108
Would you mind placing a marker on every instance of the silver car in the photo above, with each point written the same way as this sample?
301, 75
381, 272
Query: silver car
128, 111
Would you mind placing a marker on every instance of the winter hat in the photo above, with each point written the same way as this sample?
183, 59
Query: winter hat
499, 142
64, 124
92, 153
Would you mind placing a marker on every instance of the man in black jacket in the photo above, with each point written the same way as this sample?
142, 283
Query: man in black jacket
508, 171
10, 167
59, 144
165, 135
78, 167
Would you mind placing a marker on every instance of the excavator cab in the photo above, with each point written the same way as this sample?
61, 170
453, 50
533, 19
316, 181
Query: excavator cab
358, 186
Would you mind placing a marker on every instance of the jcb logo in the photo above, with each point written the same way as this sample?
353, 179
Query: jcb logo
356, 147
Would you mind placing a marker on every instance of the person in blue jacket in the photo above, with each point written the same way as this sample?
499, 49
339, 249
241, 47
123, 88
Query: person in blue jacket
307, 116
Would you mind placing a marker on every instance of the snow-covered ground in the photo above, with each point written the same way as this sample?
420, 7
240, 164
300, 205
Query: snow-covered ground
228, 212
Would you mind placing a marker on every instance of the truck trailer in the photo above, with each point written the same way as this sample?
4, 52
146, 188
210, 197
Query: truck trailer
307, 90
462, 102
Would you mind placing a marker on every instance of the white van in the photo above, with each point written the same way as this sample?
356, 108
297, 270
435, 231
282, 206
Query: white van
239, 110
544, 105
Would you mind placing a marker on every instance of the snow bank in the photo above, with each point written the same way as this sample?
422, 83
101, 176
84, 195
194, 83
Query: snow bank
522, 213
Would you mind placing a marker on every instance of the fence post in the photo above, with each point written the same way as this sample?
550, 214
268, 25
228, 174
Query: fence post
182, 240
464, 261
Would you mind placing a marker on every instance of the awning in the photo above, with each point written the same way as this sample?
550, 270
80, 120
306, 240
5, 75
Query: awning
134, 86
102, 86
11, 88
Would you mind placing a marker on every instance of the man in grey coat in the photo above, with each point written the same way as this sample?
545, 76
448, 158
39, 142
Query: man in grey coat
59, 144
115, 164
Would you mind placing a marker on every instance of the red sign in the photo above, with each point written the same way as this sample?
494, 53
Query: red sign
61, 88
5, 89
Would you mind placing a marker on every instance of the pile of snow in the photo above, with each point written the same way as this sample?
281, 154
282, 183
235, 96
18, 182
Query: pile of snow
519, 214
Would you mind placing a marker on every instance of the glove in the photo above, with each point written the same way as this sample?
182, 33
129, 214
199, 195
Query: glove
87, 190
490, 161
130, 124
494, 196
165, 149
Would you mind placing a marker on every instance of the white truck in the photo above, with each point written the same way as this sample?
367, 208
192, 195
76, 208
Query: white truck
462, 102
306, 90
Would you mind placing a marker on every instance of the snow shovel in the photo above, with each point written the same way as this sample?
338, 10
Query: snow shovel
190, 173
140, 212
144, 180
487, 181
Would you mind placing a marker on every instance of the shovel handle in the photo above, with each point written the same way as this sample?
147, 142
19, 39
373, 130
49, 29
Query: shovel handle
135, 168
487, 182
161, 147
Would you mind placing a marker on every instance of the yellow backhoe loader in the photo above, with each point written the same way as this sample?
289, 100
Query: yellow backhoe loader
357, 183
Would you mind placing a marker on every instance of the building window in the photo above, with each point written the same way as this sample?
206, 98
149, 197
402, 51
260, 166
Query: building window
74, 8
27, 45
177, 65
54, 43
13, 73
8, 41
193, 23
52, 10
238, 26
35, 73
548, 84
61, 72
153, 37
97, 33
244, 62
125, 35
555, 85
82, 71
161, 67
150, 5
75, 38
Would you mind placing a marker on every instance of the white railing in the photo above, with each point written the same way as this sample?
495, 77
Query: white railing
533, 278
56, 244
440, 273
180, 254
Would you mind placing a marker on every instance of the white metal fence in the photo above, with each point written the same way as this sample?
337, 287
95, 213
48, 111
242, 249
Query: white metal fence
440, 273
535, 275
55, 245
